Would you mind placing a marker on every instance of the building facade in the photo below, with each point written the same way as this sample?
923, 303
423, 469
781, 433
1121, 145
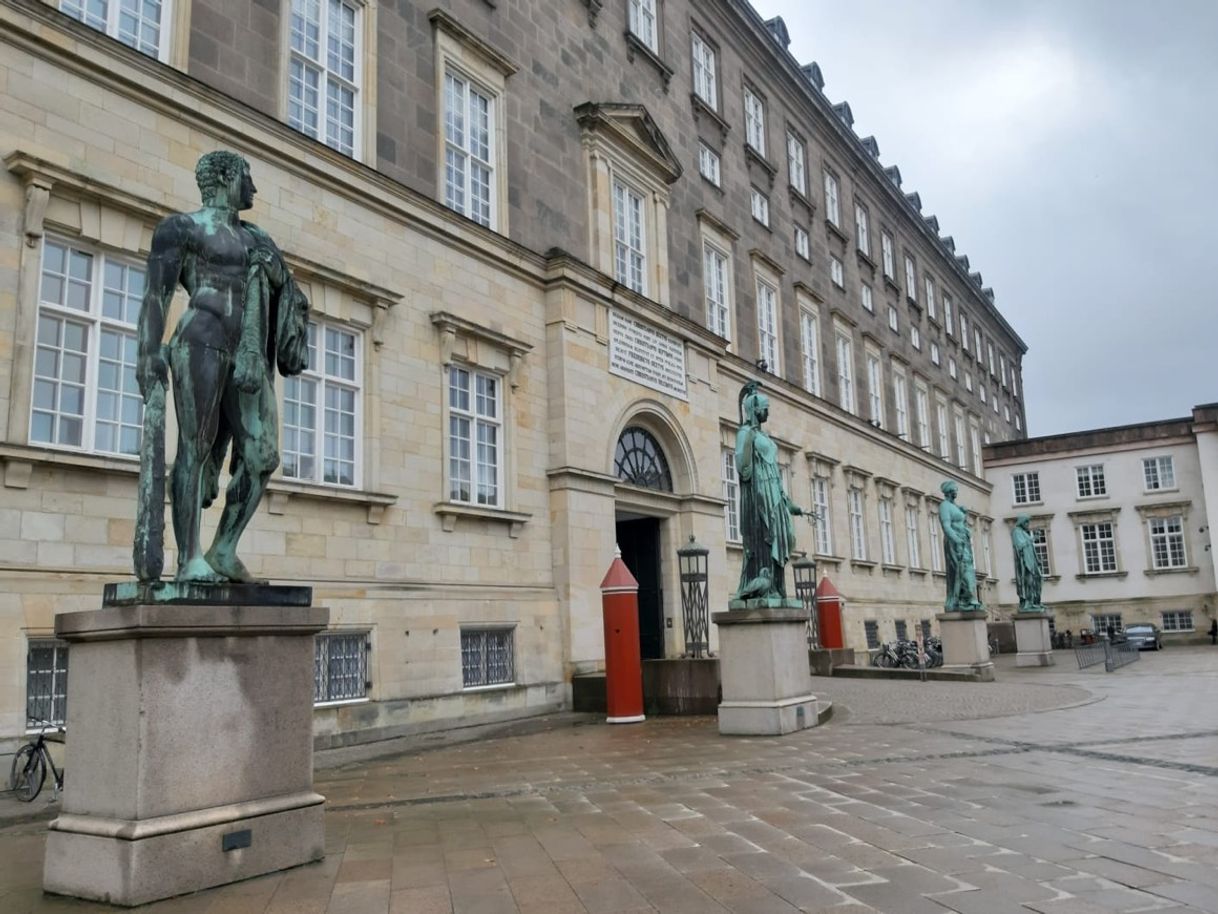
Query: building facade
1121, 522
545, 245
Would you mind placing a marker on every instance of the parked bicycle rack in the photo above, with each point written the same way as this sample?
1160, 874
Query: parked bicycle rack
1113, 656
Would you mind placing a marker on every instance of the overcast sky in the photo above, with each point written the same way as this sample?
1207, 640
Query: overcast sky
1071, 148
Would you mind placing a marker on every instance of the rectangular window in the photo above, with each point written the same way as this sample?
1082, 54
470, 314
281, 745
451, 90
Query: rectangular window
809, 336
1040, 543
936, 544
862, 229
845, 373
915, 336
901, 392
887, 256
761, 207
866, 297
974, 434
643, 23
1006, 412
630, 258
46, 683
941, 426
934, 353
888, 546
871, 629
989, 349
832, 205
705, 76
1178, 620
893, 320
1002, 369
340, 666
912, 543
475, 437
731, 496
84, 393
931, 310
795, 164
321, 410
1099, 548
1090, 480
911, 280
977, 345
708, 163
715, 280
1159, 473
803, 244
900, 628
964, 331
821, 527
836, 273
858, 533
767, 324
136, 23
961, 442
1104, 621
323, 82
968, 381
754, 122
1018, 425
981, 391
469, 137
952, 371
488, 656
875, 390
922, 414
1167, 542
948, 323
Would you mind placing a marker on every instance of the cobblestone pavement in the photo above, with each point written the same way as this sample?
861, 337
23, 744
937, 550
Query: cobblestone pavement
1106, 804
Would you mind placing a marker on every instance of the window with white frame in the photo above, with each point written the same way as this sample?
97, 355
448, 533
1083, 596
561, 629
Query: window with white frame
795, 163
858, 532
845, 373
833, 210
139, 24
1101, 622
915, 336
803, 244
705, 76
809, 338
994, 401
1159, 473
875, 389
888, 545
1040, 545
761, 207
981, 392
821, 526
934, 353
715, 275
893, 320
1178, 620
977, 345
644, 24
469, 154
961, 442
948, 323
911, 280
488, 656
941, 426
629, 237
323, 78
475, 437
922, 415
46, 682
84, 393
708, 163
1090, 480
836, 273
887, 255
767, 324
900, 391
866, 297
931, 309
952, 371
1006, 412
731, 496
989, 350
322, 410
754, 122
974, 434
964, 331
1002, 369
862, 229
1099, 548
912, 543
1018, 424
340, 666
987, 563
936, 544
1167, 542
968, 381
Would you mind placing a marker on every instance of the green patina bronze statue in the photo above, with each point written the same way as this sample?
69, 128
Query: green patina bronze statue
1028, 579
765, 509
245, 316
957, 553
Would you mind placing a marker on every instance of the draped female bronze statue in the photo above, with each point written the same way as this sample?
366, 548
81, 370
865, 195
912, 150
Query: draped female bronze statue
958, 553
765, 509
244, 316
1028, 579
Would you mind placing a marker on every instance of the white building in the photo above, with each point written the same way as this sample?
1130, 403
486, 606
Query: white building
1121, 520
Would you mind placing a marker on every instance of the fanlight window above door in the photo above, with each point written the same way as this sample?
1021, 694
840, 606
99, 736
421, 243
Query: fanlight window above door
640, 461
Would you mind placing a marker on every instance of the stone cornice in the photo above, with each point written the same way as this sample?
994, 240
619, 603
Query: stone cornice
445, 22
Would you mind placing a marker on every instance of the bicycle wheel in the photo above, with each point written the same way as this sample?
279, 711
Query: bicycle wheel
28, 773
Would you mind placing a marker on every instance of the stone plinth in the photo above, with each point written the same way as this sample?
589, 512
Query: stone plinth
763, 669
1033, 641
191, 750
966, 644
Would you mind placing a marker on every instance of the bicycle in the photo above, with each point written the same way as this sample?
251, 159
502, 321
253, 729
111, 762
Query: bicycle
30, 765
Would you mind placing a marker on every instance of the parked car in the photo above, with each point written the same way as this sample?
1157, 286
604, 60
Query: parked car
1144, 636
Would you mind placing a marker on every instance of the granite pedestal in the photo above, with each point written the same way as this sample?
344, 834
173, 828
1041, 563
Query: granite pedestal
190, 744
763, 669
966, 644
1033, 641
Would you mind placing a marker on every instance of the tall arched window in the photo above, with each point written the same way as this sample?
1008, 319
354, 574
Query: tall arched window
640, 461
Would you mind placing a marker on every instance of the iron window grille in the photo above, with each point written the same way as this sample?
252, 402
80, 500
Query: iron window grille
340, 666
488, 656
46, 683
872, 629
925, 629
902, 630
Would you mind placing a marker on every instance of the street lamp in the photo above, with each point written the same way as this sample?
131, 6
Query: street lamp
692, 560
805, 589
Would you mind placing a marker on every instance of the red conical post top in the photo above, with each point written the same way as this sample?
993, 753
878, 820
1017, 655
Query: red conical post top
618, 578
826, 589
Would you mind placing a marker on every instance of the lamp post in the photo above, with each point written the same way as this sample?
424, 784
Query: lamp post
805, 589
692, 560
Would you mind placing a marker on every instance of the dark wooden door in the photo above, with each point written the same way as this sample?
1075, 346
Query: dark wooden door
639, 541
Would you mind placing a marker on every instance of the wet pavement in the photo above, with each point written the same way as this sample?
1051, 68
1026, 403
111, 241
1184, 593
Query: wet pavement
1051, 791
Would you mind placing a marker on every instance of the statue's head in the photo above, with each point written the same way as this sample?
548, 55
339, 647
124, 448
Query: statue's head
224, 180
949, 489
756, 408
1023, 520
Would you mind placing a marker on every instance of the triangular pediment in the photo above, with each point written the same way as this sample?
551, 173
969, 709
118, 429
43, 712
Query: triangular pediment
632, 127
